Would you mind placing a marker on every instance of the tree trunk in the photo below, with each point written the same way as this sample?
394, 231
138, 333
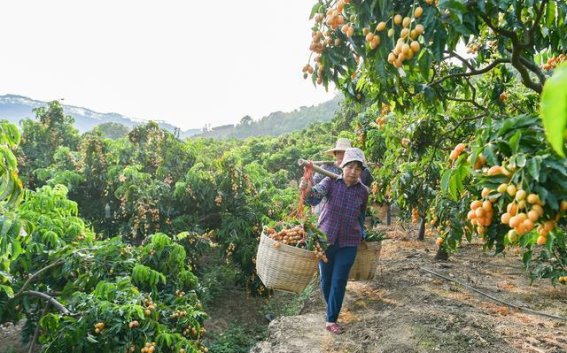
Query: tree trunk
441, 255
388, 214
421, 234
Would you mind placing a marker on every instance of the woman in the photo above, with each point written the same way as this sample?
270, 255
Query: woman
341, 219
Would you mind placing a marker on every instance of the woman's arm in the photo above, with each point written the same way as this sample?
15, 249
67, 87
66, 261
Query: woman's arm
314, 194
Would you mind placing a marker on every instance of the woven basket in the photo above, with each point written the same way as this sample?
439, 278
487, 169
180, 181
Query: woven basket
284, 267
366, 261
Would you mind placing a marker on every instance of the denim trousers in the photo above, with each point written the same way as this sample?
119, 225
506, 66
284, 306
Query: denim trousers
334, 277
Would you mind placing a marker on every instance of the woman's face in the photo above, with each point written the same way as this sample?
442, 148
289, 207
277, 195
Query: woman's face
352, 172
339, 155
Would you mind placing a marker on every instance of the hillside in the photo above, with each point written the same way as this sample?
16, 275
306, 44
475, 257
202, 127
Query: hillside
15, 108
406, 309
277, 123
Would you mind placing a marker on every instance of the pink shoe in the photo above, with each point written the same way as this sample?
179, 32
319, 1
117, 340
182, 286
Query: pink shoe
334, 328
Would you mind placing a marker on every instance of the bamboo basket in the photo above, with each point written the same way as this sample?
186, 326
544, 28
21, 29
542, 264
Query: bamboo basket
366, 261
284, 267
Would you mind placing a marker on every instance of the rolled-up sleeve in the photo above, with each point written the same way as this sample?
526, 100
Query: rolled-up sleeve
318, 192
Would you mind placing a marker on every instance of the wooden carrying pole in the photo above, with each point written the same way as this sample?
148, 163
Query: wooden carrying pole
303, 162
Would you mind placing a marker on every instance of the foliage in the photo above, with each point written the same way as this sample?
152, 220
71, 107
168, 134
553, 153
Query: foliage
554, 109
417, 97
42, 138
233, 340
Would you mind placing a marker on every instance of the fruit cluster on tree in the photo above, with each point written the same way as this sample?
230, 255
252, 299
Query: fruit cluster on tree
446, 98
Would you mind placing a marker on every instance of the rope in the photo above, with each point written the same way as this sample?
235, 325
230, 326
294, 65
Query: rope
521, 308
307, 176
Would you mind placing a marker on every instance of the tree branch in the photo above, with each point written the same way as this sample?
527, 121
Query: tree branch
510, 34
35, 275
533, 68
463, 60
49, 299
532, 30
473, 72
36, 331
517, 63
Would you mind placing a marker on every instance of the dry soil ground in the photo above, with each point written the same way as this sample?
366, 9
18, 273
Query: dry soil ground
407, 309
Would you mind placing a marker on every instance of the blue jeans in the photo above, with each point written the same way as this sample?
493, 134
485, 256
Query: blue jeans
334, 277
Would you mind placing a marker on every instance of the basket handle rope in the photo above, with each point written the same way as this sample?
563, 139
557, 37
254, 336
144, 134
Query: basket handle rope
307, 176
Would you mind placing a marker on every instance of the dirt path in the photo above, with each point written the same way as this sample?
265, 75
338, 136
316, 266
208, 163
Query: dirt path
405, 309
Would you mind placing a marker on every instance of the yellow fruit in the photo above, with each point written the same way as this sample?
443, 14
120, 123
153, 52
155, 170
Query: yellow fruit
480, 212
538, 209
502, 188
541, 240
419, 29
533, 215
548, 226
476, 204
511, 190
520, 195
406, 22
369, 37
563, 206
375, 42
439, 242
533, 198
505, 218
485, 192
528, 225
512, 209
381, 26
391, 57
415, 48
398, 19
495, 170
390, 32
487, 206
453, 155
418, 12
514, 221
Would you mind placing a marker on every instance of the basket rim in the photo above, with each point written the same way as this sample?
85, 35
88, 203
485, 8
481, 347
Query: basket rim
286, 248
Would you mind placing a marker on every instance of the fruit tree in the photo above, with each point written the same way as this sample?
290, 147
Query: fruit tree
463, 81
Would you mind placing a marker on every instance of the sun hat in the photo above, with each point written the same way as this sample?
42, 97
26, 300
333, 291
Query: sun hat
341, 145
352, 155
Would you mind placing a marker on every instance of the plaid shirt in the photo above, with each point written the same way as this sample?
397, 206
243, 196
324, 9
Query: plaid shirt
342, 214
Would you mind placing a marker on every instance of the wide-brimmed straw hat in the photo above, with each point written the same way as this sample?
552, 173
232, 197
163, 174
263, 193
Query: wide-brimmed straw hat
341, 145
352, 155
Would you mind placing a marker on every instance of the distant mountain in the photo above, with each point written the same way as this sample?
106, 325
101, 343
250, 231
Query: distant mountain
276, 123
16, 108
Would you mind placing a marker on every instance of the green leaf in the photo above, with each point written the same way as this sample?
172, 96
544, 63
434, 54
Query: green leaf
8, 290
550, 18
554, 108
534, 167
514, 142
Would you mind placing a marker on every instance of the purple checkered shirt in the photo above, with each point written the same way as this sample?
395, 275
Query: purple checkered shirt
341, 216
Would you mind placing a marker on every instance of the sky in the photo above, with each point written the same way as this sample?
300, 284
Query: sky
189, 63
